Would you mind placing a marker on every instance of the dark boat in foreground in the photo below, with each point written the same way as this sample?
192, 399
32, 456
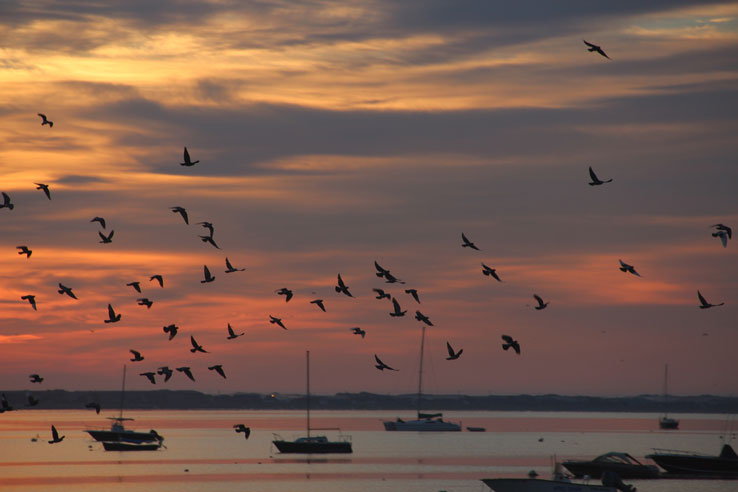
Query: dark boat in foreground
131, 446
623, 464
685, 463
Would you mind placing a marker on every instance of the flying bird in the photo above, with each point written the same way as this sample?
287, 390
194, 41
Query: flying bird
209, 239
106, 239
541, 304
509, 342
44, 188
242, 428
704, 303
187, 162
186, 371
95, 405
382, 294
6, 202
319, 303
35, 378
55, 436
208, 226
284, 291
341, 288
206, 273
381, 272
381, 365
358, 331
182, 212
451, 354
232, 334
100, 220
137, 357
63, 289
112, 317
166, 372
273, 320
624, 267
150, 375
397, 312
388, 277
466, 243
171, 329
158, 278
423, 318
196, 347
219, 369
724, 228
230, 269
45, 120
24, 251
595, 180
596, 49
414, 293
145, 301
31, 300
490, 272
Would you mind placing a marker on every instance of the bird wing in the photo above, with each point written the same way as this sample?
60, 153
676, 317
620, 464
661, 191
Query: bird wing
507, 338
186, 155
450, 349
702, 299
538, 298
54, 433
111, 311
593, 175
463, 238
206, 271
590, 44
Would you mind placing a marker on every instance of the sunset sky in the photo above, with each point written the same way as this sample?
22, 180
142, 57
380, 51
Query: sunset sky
332, 134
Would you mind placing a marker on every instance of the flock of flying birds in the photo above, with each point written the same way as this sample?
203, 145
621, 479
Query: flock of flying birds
722, 232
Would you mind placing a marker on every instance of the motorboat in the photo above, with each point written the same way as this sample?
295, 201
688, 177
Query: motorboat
623, 464
426, 422
686, 463
313, 444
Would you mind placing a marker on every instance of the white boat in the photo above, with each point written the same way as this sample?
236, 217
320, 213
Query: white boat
426, 422
538, 485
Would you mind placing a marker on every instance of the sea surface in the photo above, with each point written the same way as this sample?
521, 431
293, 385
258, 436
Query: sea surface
203, 453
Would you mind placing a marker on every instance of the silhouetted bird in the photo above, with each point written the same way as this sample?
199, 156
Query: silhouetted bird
32, 402
166, 372
186, 371
414, 293
381, 365
273, 320
112, 317
181, 211
284, 291
388, 277
106, 239
206, 273
171, 329
490, 272
232, 334
397, 312
35, 378
208, 226
358, 331
219, 369
319, 303
724, 228
624, 267
44, 188
209, 239
466, 243
382, 294
704, 303
31, 300
63, 289
95, 405
6, 202
509, 342
451, 354
137, 357
595, 180
242, 428
423, 318
381, 272
150, 375
196, 347
541, 304
100, 220
723, 237
45, 120
187, 161
55, 436
595, 48
158, 278
135, 285
144, 301
230, 269
342, 288
24, 251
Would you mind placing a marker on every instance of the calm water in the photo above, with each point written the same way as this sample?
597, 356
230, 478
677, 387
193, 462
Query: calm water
203, 453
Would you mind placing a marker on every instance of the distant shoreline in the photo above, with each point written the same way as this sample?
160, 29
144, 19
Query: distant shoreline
195, 400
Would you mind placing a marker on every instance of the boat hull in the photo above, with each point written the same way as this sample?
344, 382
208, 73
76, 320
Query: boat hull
325, 447
123, 436
130, 446
422, 425
537, 485
696, 465
668, 423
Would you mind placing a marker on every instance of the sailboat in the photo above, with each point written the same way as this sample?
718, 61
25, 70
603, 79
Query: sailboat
118, 438
666, 422
313, 444
426, 422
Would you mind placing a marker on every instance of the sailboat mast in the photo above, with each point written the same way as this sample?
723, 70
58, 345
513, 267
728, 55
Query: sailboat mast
666, 392
420, 371
122, 391
307, 362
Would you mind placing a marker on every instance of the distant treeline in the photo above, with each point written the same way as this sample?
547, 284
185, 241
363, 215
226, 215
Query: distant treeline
184, 400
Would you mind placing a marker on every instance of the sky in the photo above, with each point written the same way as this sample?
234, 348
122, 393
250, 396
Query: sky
333, 134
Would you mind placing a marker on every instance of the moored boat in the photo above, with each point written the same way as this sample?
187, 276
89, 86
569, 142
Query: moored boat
623, 464
686, 463
540, 485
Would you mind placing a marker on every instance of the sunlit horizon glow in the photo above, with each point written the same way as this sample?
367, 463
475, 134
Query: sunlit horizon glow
334, 134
